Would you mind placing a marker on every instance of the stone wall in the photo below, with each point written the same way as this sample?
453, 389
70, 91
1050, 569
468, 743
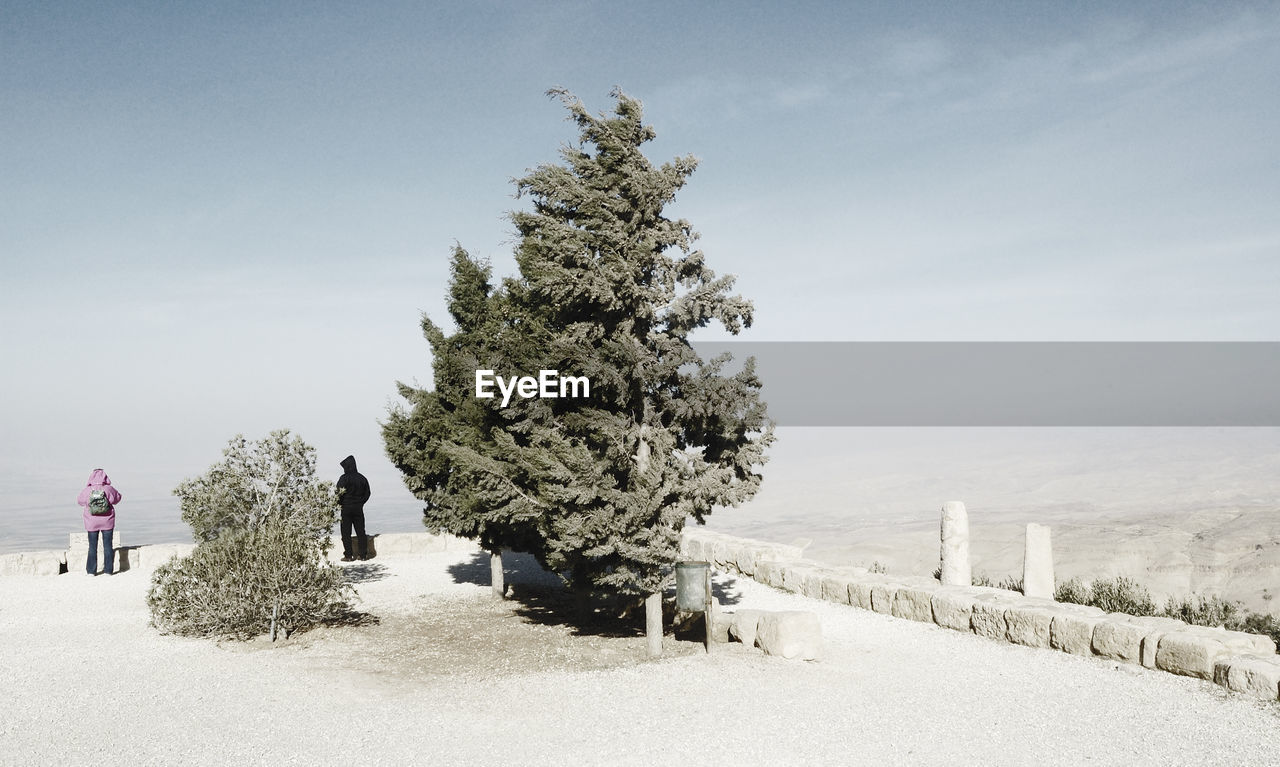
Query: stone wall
72, 559
1245, 663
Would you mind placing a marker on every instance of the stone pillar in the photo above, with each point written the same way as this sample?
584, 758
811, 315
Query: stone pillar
1037, 563
495, 574
653, 624
955, 545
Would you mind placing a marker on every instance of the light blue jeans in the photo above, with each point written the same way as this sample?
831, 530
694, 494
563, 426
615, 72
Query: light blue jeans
108, 555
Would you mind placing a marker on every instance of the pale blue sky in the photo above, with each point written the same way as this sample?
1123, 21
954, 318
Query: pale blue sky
223, 218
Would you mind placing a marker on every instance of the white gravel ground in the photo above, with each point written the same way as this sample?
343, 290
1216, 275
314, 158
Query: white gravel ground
87, 681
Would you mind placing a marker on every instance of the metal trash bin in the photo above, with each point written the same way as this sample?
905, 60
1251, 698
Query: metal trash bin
693, 586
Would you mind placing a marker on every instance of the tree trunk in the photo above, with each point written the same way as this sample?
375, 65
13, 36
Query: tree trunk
495, 574
582, 605
653, 624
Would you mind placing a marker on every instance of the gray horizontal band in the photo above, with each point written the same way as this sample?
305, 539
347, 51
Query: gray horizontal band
1015, 383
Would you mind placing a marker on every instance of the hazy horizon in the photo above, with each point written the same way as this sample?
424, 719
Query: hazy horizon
229, 219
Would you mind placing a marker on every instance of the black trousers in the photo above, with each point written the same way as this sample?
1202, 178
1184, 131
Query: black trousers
354, 518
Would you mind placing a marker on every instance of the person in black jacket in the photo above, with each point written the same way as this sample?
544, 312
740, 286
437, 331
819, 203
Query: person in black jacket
353, 491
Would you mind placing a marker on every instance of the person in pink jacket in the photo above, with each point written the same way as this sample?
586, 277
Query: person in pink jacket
99, 500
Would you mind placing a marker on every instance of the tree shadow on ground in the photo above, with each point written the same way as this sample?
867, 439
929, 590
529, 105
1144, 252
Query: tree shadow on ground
365, 572
724, 589
354, 617
541, 597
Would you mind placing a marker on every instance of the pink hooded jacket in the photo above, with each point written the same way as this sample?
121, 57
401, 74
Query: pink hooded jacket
99, 480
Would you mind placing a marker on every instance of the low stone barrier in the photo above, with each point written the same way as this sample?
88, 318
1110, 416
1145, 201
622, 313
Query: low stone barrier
34, 563
1254, 675
795, 634
1242, 662
403, 544
150, 556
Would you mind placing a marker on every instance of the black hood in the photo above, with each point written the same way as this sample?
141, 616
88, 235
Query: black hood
349, 464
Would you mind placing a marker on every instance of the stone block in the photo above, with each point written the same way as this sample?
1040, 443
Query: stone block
860, 591
987, 618
1262, 645
793, 576
835, 587
1238, 642
1254, 675
742, 626
1118, 638
953, 606
746, 560
33, 563
790, 634
813, 584
914, 601
769, 573
1156, 629
882, 597
1132, 639
1029, 622
1072, 628
402, 544
721, 623
1190, 653
723, 554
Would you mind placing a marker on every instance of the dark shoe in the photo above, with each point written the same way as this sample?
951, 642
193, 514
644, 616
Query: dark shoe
348, 558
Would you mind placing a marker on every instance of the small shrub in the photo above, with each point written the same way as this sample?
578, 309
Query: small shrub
980, 578
1122, 595
267, 478
1204, 611
877, 567
261, 521
1262, 623
230, 586
1216, 611
1010, 583
1074, 591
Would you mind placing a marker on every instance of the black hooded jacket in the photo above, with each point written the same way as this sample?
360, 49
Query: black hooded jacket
353, 488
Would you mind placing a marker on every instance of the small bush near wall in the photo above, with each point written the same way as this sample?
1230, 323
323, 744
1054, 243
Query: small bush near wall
261, 520
1073, 591
1216, 611
1262, 623
233, 585
1122, 595
1115, 595
1010, 583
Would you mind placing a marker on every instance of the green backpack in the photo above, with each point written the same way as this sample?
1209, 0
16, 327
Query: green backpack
99, 506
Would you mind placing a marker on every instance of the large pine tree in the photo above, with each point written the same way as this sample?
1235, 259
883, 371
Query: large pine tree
608, 288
